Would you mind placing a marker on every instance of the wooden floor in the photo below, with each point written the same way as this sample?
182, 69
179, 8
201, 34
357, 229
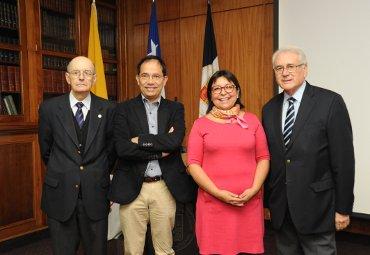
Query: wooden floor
39, 244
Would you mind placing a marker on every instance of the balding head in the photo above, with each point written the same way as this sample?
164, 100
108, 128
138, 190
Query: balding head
80, 62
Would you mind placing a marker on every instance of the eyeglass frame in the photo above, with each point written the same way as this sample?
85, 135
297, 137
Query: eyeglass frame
86, 73
223, 88
293, 68
155, 77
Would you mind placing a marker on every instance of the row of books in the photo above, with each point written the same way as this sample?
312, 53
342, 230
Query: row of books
8, 14
60, 27
54, 81
52, 45
51, 62
106, 15
10, 79
9, 57
62, 6
7, 106
108, 37
9, 38
110, 68
111, 81
113, 2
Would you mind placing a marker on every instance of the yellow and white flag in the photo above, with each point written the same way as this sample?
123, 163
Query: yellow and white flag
94, 53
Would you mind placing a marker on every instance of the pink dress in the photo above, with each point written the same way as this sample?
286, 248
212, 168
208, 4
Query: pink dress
229, 155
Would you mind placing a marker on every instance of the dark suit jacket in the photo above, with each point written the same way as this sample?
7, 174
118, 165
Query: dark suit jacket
131, 121
314, 176
67, 166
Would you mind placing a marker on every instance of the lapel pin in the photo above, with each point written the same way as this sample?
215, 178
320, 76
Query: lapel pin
99, 116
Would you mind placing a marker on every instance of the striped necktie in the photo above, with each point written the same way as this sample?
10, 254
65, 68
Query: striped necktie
289, 121
79, 114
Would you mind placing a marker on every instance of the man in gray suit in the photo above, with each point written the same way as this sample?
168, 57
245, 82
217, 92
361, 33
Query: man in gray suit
309, 190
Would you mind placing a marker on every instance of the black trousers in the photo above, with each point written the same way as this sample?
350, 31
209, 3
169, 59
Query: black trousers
290, 242
66, 236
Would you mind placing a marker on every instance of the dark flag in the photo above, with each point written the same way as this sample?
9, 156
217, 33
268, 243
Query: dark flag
210, 61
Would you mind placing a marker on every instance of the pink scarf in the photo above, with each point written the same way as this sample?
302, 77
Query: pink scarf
230, 116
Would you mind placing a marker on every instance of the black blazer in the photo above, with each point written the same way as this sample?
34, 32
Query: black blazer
314, 176
67, 167
131, 121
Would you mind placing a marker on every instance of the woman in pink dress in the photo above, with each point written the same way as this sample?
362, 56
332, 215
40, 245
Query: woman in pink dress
229, 159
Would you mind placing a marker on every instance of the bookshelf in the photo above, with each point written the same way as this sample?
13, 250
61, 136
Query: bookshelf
58, 40
9, 22
38, 38
58, 25
107, 21
10, 82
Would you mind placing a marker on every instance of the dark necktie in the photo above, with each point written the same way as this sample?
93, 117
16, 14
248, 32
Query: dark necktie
289, 122
79, 114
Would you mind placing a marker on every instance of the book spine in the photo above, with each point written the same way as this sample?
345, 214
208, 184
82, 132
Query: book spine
11, 78
17, 82
7, 105
12, 105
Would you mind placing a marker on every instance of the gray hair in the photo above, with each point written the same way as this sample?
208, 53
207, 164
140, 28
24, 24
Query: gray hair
292, 49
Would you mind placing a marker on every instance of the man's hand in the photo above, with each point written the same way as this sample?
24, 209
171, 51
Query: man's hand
341, 221
135, 140
267, 213
165, 154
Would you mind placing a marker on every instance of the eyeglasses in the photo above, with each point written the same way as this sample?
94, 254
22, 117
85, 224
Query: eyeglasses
77, 73
145, 77
229, 88
289, 68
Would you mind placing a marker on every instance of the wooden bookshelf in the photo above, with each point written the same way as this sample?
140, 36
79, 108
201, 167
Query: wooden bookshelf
107, 21
37, 40
10, 53
59, 43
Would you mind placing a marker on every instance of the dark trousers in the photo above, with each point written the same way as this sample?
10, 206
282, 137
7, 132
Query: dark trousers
66, 236
290, 242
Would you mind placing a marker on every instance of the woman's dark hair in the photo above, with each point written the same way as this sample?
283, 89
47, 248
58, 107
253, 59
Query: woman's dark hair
148, 58
228, 76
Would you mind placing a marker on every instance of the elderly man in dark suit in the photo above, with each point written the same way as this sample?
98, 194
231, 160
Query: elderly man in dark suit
75, 134
309, 190
151, 176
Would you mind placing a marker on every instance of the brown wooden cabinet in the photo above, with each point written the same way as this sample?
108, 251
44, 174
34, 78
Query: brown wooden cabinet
37, 40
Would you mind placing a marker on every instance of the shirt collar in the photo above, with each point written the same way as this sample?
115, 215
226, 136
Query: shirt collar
86, 101
298, 94
145, 100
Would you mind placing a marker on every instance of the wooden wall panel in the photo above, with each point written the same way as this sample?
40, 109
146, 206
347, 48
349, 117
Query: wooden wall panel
192, 36
166, 10
170, 50
244, 41
19, 185
190, 8
16, 186
240, 38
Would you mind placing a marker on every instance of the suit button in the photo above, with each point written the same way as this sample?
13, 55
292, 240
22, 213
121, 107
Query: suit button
288, 161
81, 168
76, 186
